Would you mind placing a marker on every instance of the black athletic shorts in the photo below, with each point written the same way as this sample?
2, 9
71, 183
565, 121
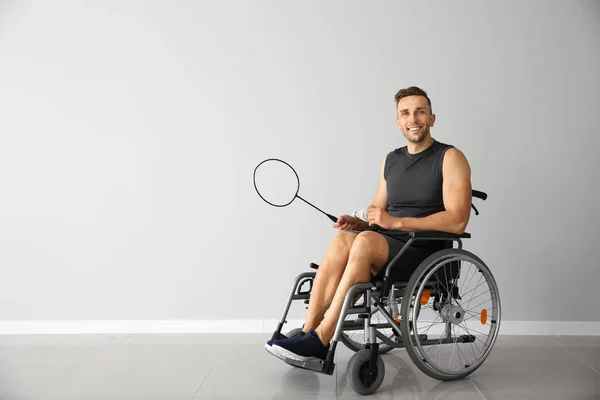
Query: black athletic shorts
409, 261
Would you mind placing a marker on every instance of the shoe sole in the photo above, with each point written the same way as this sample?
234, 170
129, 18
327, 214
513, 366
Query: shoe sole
273, 352
286, 354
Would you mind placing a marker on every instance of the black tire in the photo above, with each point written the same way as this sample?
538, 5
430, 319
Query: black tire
293, 332
357, 370
412, 286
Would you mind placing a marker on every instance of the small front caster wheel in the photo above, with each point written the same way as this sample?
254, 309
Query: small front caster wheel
361, 378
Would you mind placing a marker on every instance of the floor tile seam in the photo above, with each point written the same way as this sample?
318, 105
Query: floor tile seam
574, 356
203, 380
476, 388
72, 381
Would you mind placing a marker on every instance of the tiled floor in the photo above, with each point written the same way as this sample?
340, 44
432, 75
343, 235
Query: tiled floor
177, 367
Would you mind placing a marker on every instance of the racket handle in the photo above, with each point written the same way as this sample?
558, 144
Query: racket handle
331, 217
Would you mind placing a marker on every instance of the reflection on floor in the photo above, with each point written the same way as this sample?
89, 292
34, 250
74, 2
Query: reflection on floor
236, 366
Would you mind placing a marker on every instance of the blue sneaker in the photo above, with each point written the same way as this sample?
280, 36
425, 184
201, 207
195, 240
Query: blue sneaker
301, 348
269, 344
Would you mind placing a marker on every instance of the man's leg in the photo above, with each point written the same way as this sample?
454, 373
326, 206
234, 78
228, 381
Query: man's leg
327, 278
368, 254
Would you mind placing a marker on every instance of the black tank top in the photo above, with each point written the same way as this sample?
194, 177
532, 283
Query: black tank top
414, 181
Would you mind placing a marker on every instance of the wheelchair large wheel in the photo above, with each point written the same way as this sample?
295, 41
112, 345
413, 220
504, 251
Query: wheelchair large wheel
453, 306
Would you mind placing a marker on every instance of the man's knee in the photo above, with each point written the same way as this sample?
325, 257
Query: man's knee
371, 245
343, 241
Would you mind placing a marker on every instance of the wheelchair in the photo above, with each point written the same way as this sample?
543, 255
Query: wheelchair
450, 302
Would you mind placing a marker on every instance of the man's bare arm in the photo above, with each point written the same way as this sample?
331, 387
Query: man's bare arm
457, 192
381, 199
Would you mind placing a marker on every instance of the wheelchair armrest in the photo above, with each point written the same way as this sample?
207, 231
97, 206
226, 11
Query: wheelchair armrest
420, 235
438, 235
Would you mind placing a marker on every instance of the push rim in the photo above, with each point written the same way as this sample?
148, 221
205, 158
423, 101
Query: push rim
475, 313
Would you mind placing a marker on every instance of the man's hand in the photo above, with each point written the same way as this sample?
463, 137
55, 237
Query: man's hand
347, 222
380, 217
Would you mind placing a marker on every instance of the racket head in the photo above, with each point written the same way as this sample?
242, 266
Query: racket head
280, 182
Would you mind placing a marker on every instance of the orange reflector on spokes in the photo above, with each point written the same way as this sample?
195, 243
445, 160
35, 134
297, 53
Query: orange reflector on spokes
483, 316
425, 297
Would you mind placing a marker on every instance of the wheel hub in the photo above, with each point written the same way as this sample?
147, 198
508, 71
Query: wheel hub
453, 314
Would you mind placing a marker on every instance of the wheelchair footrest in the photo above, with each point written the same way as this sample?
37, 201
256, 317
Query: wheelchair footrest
323, 367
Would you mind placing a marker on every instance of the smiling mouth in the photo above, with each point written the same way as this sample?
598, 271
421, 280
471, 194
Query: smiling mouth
414, 128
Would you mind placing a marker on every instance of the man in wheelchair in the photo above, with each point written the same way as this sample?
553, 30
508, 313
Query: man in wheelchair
424, 186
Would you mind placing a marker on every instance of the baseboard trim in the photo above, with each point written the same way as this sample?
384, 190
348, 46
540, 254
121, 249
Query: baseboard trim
577, 328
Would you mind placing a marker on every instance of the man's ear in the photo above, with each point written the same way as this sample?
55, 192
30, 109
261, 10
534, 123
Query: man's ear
432, 120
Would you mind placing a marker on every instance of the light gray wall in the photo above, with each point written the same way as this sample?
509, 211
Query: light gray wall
130, 131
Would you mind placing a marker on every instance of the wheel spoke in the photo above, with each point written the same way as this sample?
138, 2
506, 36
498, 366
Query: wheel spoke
451, 321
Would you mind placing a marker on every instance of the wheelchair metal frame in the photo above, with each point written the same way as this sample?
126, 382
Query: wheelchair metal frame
376, 293
373, 290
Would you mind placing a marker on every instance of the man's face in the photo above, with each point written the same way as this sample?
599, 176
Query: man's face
414, 118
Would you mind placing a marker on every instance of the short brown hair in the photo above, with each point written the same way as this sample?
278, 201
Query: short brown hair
411, 91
